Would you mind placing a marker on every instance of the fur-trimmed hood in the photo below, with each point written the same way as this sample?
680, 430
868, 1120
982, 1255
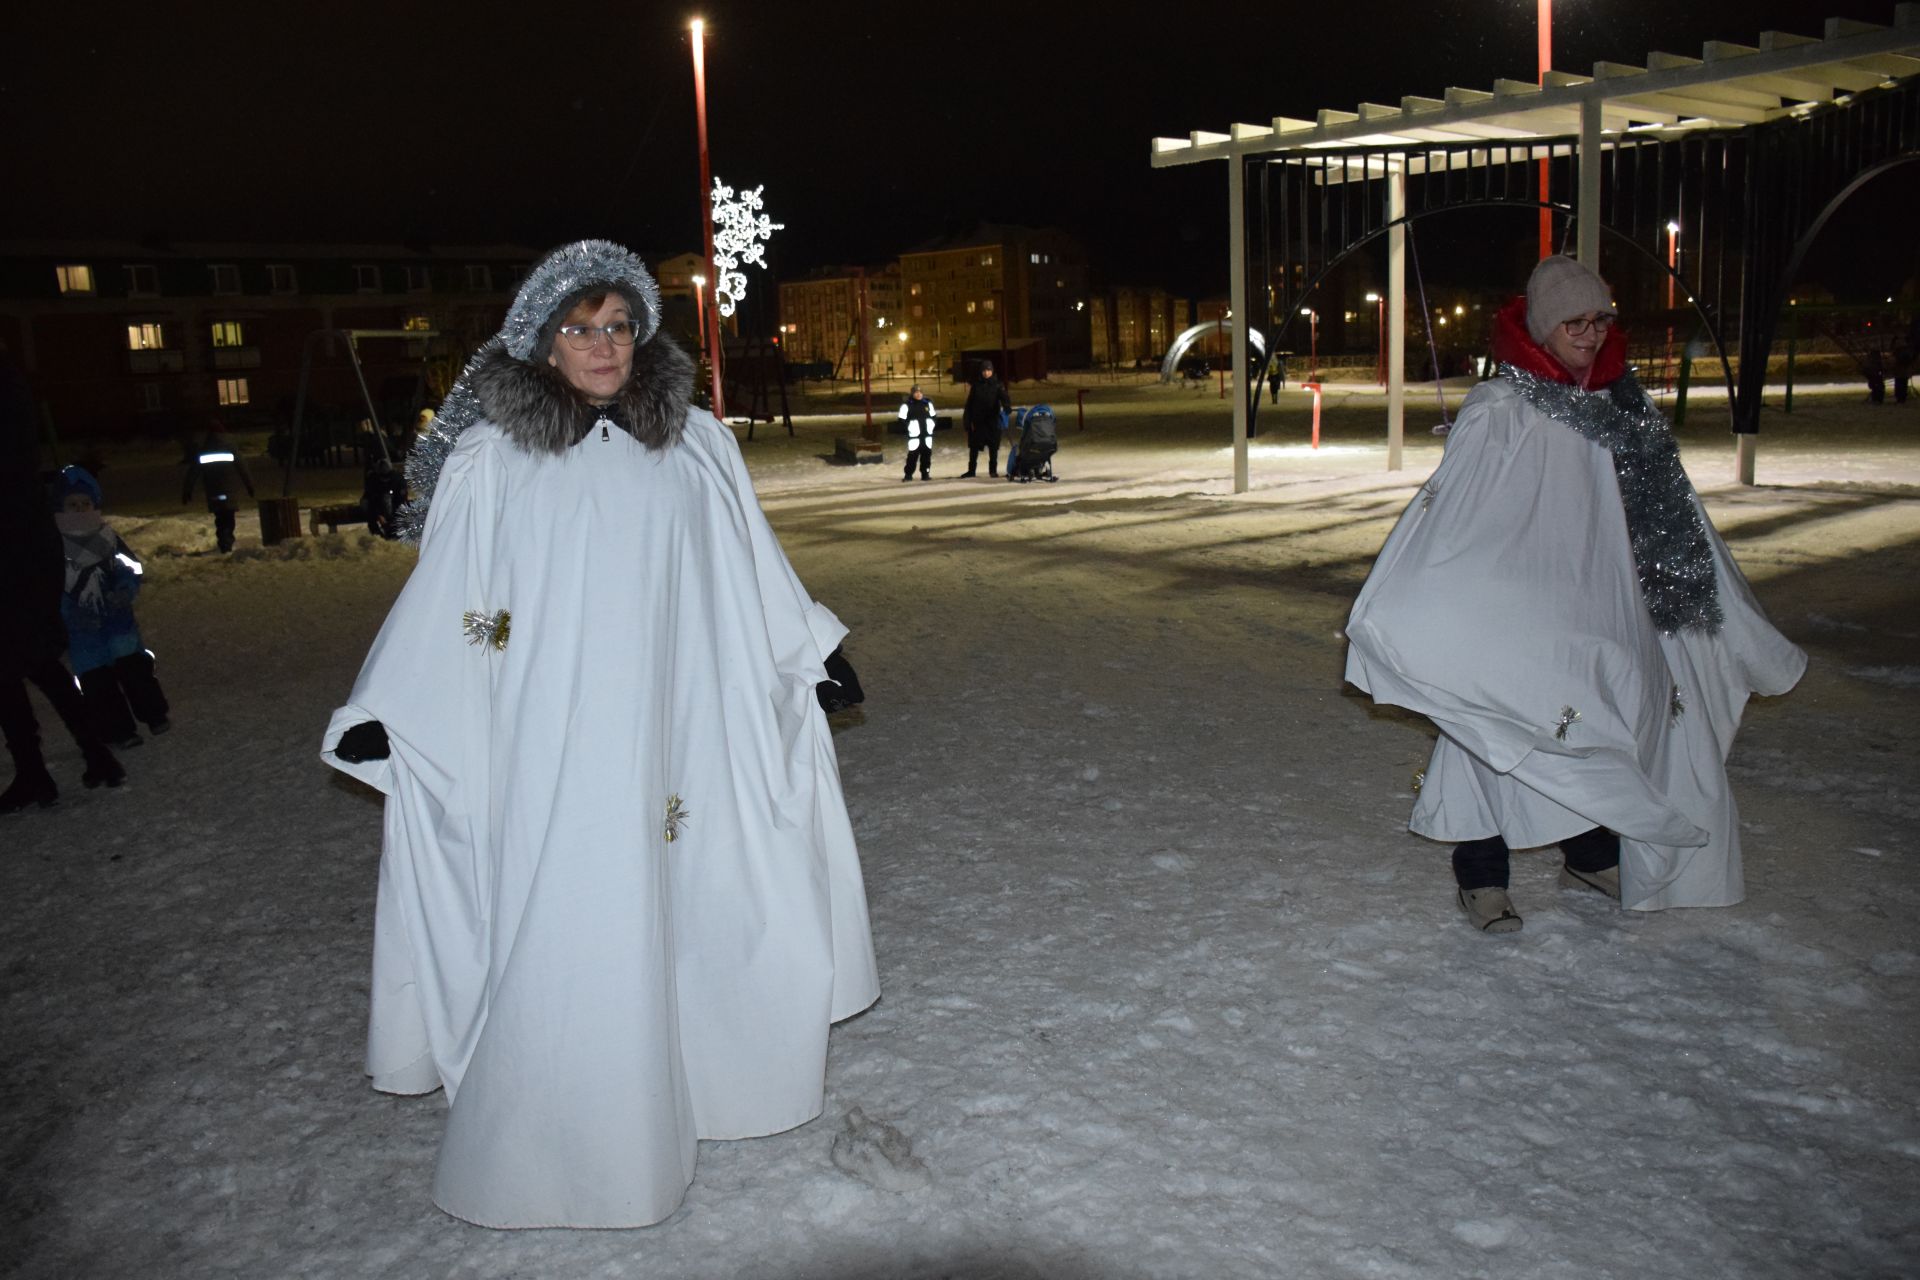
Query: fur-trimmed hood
542, 413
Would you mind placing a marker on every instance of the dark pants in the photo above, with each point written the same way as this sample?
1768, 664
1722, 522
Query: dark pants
223, 528
22, 731
122, 691
992, 451
1482, 864
923, 458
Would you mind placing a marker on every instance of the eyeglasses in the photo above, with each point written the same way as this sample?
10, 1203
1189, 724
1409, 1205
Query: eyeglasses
1575, 328
582, 337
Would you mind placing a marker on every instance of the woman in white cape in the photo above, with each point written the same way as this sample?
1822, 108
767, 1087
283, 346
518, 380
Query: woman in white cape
1556, 601
619, 900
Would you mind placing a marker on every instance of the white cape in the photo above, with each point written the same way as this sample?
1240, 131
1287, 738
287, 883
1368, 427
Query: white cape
592, 996
1506, 599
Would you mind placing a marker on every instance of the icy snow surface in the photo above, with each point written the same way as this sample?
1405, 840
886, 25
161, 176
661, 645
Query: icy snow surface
1168, 988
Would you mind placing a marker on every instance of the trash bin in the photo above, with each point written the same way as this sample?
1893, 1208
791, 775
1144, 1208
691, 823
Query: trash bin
279, 520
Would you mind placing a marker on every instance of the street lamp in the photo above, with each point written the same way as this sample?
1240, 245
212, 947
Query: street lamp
1313, 343
711, 326
1673, 259
700, 306
1544, 25
1380, 337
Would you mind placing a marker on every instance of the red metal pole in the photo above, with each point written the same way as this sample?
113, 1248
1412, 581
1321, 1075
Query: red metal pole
866, 364
1315, 388
706, 206
1545, 23
1080, 406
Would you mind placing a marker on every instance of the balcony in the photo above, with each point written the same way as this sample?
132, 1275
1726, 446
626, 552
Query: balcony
155, 361
236, 357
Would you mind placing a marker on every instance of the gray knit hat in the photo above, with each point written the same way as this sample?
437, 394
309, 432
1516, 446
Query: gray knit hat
1560, 289
565, 276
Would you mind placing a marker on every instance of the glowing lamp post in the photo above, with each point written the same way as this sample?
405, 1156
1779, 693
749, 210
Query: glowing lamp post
1673, 263
1380, 336
712, 333
1544, 16
1313, 342
700, 306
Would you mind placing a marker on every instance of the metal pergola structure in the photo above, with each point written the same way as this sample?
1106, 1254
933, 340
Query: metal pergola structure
1752, 147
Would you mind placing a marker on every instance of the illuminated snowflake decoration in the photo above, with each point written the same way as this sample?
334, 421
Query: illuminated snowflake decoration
740, 235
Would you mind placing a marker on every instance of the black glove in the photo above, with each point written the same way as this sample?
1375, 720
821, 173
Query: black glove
365, 741
841, 688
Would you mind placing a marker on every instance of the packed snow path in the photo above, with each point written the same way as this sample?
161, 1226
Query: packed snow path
1168, 988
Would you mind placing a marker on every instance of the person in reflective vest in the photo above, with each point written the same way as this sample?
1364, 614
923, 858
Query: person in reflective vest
917, 412
220, 472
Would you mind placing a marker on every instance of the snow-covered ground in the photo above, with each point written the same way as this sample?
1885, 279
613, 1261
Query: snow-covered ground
1168, 988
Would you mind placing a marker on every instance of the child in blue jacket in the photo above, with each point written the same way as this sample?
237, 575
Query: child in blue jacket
103, 640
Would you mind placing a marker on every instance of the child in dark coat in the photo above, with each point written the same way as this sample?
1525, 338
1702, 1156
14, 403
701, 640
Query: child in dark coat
103, 640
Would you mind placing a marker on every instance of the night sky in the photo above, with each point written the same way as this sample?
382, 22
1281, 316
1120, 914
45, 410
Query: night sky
873, 126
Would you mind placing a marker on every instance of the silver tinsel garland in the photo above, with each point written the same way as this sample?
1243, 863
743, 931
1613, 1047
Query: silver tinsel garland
1671, 550
584, 264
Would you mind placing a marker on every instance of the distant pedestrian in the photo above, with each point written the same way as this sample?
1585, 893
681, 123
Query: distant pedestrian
917, 412
984, 417
220, 472
1876, 370
104, 644
1903, 356
31, 637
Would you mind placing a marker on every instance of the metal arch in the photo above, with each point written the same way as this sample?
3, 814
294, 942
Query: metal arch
1171, 364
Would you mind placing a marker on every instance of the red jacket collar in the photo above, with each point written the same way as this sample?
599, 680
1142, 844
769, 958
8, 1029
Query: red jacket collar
1513, 345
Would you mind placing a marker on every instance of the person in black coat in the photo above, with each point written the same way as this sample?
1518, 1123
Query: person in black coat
32, 636
987, 407
220, 472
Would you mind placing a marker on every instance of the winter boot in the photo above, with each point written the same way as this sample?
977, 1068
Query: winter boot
1607, 881
1490, 910
29, 787
103, 770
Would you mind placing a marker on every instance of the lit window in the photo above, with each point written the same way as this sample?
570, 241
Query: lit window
986, 259
914, 290
228, 333
992, 303
232, 390
366, 278
226, 279
75, 278
970, 308
149, 396
417, 280
1034, 258
145, 337
280, 279
142, 281
479, 279
417, 324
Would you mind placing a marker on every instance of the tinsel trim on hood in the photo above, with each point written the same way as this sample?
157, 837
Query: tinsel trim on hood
560, 278
1513, 345
1672, 554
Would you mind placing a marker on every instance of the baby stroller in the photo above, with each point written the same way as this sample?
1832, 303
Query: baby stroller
1037, 440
